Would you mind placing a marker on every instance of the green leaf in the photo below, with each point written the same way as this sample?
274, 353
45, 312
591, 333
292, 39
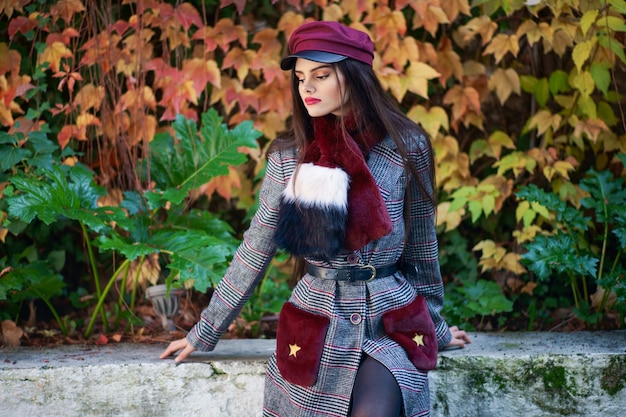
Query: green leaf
194, 161
558, 82
601, 76
542, 92
557, 253
486, 298
618, 6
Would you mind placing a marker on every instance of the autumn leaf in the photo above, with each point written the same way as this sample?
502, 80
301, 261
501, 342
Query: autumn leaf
431, 119
239, 4
222, 34
591, 128
455, 7
240, 60
20, 24
451, 219
544, 120
10, 59
66, 9
53, 54
501, 45
505, 82
448, 61
483, 26
89, 96
464, 100
429, 15
202, 71
582, 52
418, 75
11, 333
400, 52
534, 32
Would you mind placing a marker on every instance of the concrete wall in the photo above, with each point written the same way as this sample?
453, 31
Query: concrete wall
499, 375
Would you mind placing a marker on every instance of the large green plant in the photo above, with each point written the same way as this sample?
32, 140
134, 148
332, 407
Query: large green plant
195, 245
583, 244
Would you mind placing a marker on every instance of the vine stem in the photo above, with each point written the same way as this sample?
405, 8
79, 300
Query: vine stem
101, 298
53, 311
96, 275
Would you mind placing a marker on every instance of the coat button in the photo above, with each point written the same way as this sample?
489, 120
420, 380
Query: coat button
355, 318
353, 259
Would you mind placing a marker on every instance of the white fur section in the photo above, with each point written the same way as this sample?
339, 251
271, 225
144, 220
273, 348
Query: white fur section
318, 186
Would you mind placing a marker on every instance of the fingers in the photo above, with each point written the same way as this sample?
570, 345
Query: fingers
459, 337
185, 352
173, 347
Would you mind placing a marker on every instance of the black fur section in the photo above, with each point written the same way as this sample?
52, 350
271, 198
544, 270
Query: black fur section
311, 232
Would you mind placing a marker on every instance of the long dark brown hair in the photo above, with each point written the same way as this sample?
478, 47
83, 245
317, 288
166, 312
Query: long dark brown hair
372, 108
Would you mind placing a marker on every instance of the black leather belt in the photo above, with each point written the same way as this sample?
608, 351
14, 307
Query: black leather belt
352, 273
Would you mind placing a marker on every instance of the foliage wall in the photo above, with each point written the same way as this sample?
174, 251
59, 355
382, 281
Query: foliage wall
522, 100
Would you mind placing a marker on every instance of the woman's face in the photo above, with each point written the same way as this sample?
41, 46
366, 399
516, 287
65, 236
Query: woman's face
320, 87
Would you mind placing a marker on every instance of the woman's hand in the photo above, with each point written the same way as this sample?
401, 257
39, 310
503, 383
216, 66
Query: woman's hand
181, 344
459, 338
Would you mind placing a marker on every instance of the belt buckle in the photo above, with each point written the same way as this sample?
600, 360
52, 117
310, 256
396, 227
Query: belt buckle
371, 268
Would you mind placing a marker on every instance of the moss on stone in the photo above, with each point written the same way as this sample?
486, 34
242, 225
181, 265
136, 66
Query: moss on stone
614, 375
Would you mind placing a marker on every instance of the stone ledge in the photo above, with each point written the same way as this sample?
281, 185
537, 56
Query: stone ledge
499, 375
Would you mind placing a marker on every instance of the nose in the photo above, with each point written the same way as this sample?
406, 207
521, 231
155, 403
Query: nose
307, 87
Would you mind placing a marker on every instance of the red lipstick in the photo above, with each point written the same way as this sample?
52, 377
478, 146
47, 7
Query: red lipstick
311, 100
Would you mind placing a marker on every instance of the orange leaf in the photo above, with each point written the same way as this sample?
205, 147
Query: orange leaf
66, 9
400, 52
240, 4
102, 340
429, 15
591, 128
448, 61
223, 184
53, 55
222, 34
64, 135
11, 333
271, 47
9, 6
270, 124
463, 101
9, 59
202, 71
240, 60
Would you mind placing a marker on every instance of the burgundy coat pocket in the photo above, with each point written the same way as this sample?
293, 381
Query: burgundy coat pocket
299, 344
412, 328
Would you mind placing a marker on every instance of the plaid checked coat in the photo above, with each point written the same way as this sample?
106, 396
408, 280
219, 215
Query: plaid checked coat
345, 340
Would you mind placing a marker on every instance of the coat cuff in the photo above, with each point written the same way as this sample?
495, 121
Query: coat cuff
443, 334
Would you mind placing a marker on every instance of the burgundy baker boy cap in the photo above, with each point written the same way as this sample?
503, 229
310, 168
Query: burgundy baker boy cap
328, 42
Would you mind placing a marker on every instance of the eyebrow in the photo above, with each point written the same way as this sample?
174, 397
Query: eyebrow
314, 69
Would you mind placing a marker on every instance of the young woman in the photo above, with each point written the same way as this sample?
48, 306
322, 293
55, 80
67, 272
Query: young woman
350, 191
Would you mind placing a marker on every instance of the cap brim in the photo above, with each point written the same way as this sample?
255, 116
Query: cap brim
318, 56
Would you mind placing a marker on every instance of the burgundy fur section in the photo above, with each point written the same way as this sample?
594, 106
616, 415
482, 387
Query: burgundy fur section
404, 323
368, 218
307, 331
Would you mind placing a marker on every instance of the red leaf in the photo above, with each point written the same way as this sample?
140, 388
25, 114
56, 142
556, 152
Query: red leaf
102, 340
20, 24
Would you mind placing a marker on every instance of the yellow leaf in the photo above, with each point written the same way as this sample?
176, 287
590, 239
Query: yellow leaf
505, 82
333, 12
431, 119
511, 262
418, 75
454, 7
452, 220
588, 19
400, 52
270, 124
89, 96
582, 52
583, 82
497, 140
560, 42
501, 45
483, 26
53, 54
544, 120
528, 233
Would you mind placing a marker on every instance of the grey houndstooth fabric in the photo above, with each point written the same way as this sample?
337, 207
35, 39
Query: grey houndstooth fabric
365, 302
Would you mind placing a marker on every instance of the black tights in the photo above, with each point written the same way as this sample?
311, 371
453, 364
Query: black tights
376, 392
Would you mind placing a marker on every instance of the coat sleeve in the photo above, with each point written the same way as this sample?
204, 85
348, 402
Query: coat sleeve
250, 260
421, 247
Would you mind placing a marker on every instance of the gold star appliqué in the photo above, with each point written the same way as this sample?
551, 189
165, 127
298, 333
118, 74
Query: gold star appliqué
419, 339
293, 350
